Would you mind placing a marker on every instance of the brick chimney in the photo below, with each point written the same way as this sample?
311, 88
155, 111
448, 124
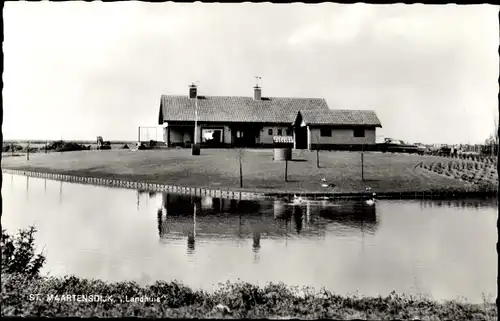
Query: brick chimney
257, 93
193, 91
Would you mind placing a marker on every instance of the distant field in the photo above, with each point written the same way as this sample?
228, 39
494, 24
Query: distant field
86, 142
219, 168
39, 146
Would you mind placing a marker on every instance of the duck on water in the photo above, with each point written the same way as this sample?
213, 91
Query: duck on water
298, 200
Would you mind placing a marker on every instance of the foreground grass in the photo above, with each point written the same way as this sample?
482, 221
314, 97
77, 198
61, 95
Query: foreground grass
232, 300
219, 168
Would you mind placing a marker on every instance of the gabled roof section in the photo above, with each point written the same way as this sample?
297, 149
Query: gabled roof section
341, 117
236, 109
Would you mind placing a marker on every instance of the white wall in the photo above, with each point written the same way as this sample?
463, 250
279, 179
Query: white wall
227, 135
165, 135
343, 136
178, 135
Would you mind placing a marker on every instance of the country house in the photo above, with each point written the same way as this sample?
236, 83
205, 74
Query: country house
228, 121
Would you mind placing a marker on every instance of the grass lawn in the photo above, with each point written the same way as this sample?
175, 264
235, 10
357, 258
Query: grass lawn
219, 168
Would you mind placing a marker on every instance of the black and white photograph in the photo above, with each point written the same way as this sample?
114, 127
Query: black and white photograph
250, 160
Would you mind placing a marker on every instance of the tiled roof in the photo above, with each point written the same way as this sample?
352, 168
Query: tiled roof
237, 109
341, 117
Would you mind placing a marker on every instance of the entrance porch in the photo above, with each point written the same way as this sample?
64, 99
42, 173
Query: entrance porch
245, 135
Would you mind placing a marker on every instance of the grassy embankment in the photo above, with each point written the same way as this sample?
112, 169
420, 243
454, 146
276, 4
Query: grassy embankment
219, 168
26, 293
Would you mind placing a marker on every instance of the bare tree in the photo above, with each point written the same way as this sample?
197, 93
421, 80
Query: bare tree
286, 169
493, 140
240, 153
317, 148
495, 135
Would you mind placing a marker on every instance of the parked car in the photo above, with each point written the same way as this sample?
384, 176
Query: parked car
422, 149
444, 151
397, 146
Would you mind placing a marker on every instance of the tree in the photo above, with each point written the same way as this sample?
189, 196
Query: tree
492, 141
317, 148
240, 152
18, 253
286, 170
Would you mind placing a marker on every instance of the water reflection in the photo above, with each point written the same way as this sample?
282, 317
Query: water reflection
297, 215
210, 217
27, 187
256, 246
192, 234
466, 203
60, 192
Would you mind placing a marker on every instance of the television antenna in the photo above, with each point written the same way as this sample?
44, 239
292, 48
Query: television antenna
257, 78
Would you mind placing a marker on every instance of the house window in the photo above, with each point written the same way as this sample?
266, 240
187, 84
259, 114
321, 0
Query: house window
359, 132
210, 135
325, 132
289, 132
280, 132
270, 131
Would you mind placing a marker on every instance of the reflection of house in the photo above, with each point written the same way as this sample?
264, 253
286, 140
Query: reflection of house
220, 218
247, 121
183, 204
351, 214
247, 219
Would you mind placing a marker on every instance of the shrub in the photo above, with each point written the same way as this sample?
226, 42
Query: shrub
11, 148
18, 253
243, 300
62, 146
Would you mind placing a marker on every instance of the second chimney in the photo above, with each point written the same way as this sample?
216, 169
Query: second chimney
193, 91
257, 93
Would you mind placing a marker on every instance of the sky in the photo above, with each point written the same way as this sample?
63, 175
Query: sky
77, 70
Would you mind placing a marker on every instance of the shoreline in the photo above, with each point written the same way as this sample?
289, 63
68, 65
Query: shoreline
242, 193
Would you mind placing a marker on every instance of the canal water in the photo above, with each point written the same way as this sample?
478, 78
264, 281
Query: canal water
442, 249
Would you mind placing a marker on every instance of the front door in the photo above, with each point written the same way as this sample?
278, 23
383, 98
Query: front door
217, 137
300, 137
245, 136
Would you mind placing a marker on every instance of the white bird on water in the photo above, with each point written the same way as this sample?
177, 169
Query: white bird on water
325, 184
297, 199
371, 201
